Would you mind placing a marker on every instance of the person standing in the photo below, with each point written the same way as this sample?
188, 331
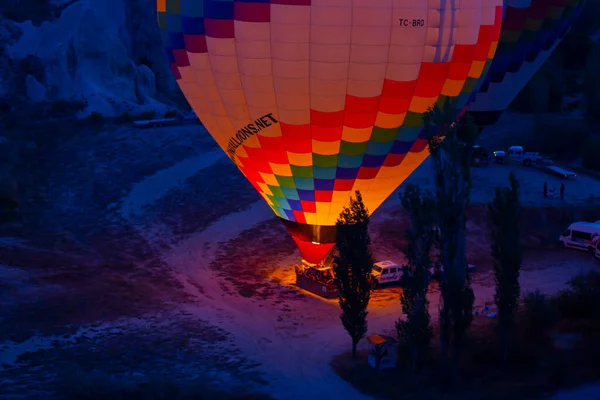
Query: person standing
545, 189
562, 190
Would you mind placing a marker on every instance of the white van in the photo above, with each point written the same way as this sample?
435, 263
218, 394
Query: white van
580, 235
386, 272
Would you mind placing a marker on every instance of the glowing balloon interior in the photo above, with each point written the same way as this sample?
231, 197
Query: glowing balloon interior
315, 99
531, 30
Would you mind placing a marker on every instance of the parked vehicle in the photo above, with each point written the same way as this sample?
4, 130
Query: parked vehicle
516, 153
500, 157
581, 236
386, 272
481, 157
559, 171
436, 274
549, 166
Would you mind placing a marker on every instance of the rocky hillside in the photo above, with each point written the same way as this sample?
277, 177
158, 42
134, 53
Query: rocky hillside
95, 55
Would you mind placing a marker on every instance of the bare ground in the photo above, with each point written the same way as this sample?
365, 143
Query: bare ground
167, 344
75, 262
77, 265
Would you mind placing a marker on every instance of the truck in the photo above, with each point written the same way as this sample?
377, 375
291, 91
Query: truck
549, 166
516, 153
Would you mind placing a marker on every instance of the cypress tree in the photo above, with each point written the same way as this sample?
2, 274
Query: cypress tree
352, 267
505, 214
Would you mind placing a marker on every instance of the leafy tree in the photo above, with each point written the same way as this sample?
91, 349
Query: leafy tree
591, 87
451, 146
590, 153
415, 330
505, 213
352, 268
8, 206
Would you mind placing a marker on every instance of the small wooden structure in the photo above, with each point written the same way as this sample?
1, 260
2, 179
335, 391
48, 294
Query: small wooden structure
382, 351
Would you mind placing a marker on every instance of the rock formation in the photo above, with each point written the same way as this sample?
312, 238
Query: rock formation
105, 53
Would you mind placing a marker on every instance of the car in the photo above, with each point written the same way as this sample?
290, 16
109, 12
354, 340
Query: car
385, 272
499, 156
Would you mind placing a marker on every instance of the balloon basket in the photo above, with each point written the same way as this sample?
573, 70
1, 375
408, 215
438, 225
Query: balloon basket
316, 280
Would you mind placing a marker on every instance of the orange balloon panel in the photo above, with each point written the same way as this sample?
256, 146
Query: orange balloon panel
315, 99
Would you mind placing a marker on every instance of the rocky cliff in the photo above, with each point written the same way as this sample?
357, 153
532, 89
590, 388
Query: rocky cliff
98, 55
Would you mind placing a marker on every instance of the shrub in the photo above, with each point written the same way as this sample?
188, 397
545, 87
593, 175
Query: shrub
539, 314
576, 47
28, 65
144, 60
34, 11
8, 206
147, 115
5, 105
562, 137
573, 106
125, 117
95, 117
8, 203
573, 82
591, 160
180, 101
64, 108
582, 298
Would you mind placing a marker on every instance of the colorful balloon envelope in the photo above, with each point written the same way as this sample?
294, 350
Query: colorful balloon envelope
531, 30
315, 99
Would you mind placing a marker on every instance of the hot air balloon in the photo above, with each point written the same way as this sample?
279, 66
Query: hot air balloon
315, 99
531, 30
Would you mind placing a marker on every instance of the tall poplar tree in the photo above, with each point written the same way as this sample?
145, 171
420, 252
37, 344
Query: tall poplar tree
505, 215
352, 267
415, 330
451, 142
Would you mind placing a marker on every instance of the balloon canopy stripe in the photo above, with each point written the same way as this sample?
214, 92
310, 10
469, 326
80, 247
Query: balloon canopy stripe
314, 100
529, 35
